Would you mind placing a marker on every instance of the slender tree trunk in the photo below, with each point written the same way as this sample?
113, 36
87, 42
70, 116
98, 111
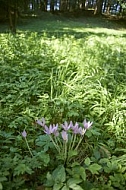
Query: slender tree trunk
12, 12
43, 5
108, 7
26, 3
63, 5
52, 6
98, 7
83, 4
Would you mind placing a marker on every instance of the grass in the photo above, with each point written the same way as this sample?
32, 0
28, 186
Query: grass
62, 69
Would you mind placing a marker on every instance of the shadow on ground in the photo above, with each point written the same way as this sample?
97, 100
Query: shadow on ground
58, 25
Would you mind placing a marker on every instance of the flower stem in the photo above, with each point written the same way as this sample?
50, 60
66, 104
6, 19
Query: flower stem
79, 143
70, 144
74, 140
65, 152
55, 144
28, 146
58, 143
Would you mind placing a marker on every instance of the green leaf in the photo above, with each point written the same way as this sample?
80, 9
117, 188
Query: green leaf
95, 132
44, 157
72, 153
80, 172
65, 188
3, 178
83, 173
113, 165
57, 186
21, 169
75, 164
59, 174
75, 187
1, 187
94, 168
88, 133
87, 161
73, 181
49, 181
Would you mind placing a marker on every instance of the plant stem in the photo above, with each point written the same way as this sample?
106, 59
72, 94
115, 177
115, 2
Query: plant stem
73, 142
58, 143
56, 146
65, 152
79, 143
28, 146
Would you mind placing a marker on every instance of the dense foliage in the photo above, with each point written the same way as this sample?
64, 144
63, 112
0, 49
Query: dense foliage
62, 78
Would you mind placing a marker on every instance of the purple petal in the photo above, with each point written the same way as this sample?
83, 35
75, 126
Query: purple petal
41, 122
75, 128
86, 124
52, 129
65, 126
24, 134
47, 130
71, 124
64, 135
55, 130
82, 131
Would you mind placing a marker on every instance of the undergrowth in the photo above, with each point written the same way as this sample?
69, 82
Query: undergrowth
62, 79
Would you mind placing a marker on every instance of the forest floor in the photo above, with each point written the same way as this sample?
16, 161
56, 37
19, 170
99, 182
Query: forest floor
67, 24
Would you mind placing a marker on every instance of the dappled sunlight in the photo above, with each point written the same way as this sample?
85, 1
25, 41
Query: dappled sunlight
96, 30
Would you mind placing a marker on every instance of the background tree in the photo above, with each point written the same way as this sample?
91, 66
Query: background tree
98, 7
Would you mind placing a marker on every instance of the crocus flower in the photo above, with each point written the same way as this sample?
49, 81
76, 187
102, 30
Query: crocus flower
52, 129
71, 124
64, 135
86, 124
75, 128
41, 122
48, 130
82, 131
24, 134
55, 130
66, 126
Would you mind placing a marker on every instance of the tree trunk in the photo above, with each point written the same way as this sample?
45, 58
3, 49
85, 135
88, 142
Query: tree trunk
83, 4
26, 3
12, 12
52, 6
63, 5
98, 7
108, 7
43, 5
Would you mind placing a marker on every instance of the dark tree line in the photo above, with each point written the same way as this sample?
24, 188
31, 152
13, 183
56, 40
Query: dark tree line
11, 9
72, 5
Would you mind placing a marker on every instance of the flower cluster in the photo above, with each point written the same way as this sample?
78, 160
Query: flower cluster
65, 137
65, 128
